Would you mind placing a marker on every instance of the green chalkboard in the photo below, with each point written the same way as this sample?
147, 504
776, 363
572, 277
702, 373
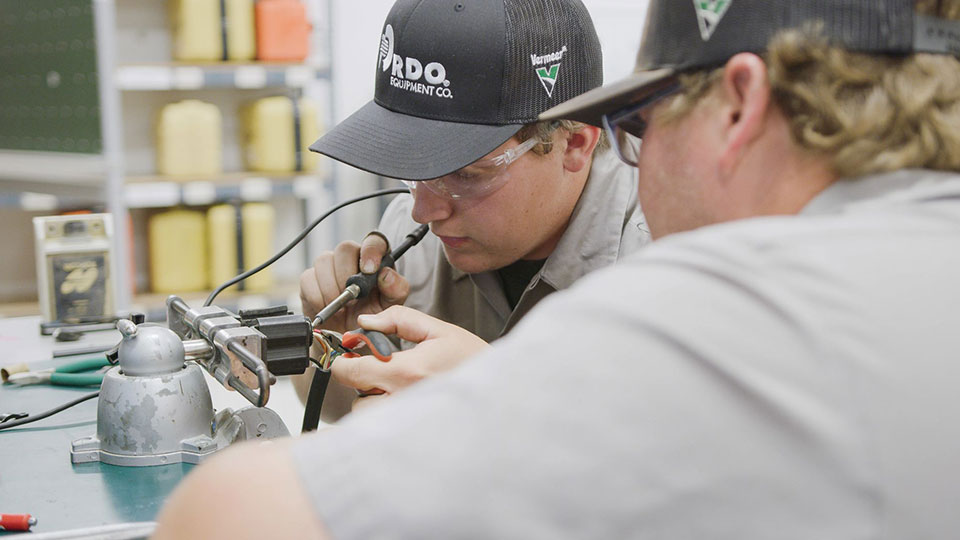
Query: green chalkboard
48, 76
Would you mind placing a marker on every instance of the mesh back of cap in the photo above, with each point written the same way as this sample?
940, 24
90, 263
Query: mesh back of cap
547, 27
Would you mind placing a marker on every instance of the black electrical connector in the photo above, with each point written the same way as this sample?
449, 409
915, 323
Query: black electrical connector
286, 349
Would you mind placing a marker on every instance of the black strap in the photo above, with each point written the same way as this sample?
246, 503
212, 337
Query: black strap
223, 29
297, 145
311, 412
238, 220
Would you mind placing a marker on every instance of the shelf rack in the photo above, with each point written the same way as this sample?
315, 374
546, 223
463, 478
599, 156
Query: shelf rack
99, 174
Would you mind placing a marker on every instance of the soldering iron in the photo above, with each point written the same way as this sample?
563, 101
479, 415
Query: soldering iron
360, 285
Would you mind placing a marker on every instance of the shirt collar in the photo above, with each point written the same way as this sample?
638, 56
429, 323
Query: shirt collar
592, 237
899, 186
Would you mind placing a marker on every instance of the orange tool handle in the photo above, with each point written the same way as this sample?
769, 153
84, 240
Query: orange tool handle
379, 345
17, 522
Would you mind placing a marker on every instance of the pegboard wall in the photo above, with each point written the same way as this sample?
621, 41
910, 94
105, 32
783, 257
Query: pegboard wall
48, 76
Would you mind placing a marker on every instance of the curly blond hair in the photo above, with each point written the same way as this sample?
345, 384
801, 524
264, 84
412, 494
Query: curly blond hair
865, 113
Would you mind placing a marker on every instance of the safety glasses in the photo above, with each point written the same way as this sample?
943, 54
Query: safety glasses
625, 127
478, 179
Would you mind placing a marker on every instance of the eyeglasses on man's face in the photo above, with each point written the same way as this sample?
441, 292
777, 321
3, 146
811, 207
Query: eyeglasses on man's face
625, 127
478, 179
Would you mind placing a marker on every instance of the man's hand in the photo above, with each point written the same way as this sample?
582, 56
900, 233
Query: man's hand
440, 346
328, 278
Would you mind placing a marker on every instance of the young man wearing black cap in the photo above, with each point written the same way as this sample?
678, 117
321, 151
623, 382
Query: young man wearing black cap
786, 370
517, 208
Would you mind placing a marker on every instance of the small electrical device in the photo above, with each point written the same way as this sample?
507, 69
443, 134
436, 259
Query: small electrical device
74, 256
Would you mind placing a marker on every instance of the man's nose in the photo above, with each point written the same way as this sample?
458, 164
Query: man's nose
428, 206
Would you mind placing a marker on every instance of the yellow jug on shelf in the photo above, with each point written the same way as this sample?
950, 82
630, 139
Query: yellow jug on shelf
240, 237
189, 139
211, 30
178, 251
278, 131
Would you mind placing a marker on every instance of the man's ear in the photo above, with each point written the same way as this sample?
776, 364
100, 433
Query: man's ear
745, 92
579, 149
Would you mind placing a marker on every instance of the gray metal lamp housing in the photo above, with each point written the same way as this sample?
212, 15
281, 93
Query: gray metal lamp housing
155, 407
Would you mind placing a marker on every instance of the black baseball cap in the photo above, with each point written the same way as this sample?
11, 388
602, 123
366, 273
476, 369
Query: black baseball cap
457, 78
685, 35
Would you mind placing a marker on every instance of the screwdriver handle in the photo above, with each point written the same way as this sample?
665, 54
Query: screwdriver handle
368, 282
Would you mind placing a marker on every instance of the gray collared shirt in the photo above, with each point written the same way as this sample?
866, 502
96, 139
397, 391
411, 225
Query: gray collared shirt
788, 377
607, 225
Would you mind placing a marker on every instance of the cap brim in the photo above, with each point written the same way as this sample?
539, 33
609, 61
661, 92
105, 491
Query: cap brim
397, 145
590, 107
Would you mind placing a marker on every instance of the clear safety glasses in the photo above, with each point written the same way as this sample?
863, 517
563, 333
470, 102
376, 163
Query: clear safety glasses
625, 127
480, 178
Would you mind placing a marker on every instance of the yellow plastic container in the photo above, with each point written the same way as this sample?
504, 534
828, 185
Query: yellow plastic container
270, 135
254, 233
189, 137
178, 254
198, 27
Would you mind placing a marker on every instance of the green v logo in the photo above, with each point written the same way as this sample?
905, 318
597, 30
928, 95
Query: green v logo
548, 77
709, 13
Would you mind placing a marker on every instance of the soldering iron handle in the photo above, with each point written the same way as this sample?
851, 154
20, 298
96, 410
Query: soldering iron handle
368, 282
365, 283
410, 240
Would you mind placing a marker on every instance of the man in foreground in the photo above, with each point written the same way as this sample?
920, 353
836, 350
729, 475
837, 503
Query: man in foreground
780, 363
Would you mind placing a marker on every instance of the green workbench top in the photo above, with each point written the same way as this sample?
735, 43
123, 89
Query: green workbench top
36, 476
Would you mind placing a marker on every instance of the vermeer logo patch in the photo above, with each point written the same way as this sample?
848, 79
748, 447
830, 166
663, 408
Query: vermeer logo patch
548, 74
406, 73
709, 13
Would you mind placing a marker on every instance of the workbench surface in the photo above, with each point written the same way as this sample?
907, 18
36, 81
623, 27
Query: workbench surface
36, 476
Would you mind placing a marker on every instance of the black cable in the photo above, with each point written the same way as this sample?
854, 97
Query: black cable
300, 237
410, 240
318, 389
51, 412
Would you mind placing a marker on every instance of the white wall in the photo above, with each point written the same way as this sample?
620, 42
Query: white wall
618, 23
356, 40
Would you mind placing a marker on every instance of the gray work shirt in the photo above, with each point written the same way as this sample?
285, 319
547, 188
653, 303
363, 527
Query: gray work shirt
606, 225
778, 377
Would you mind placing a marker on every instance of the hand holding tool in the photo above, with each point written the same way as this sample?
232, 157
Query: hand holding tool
360, 285
336, 344
380, 347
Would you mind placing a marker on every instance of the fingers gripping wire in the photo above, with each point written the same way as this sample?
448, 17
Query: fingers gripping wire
333, 344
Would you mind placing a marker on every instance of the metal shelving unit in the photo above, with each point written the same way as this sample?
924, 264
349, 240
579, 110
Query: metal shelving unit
100, 159
180, 76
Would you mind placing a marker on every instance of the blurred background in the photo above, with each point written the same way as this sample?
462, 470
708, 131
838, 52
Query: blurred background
194, 137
